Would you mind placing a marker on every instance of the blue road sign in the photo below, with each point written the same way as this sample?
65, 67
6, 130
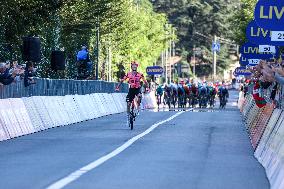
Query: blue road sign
154, 70
216, 47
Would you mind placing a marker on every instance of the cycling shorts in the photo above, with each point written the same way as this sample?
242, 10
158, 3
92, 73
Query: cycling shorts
132, 93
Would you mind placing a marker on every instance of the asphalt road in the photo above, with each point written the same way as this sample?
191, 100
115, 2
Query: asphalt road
195, 150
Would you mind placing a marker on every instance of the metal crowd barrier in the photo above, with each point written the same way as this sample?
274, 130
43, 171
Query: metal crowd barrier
58, 87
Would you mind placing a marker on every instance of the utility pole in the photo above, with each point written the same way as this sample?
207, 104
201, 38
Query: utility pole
194, 64
97, 47
214, 59
109, 63
166, 62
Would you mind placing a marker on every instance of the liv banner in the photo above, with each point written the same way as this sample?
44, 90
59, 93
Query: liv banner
260, 36
251, 51
269, 14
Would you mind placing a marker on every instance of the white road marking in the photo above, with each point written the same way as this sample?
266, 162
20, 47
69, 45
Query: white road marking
77, 174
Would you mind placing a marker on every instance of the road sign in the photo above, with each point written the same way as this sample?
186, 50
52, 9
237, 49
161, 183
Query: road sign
154, 70
216, 47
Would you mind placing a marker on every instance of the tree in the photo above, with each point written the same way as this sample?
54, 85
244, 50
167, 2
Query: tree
131, 29
207, 17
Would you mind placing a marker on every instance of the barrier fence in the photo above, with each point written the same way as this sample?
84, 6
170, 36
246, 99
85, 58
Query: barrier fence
265, 127
22, 116
58, 87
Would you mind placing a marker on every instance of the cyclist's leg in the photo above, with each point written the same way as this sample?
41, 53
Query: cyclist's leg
139, 95
129, 98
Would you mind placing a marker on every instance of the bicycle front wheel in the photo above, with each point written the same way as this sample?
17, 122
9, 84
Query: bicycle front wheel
131, 121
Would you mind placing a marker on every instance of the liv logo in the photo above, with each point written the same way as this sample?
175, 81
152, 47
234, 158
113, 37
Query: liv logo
251, 51
269, 14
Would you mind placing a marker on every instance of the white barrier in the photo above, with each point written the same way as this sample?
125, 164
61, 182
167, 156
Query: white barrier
99, 106
41, 109
270, 150
22, 116
33, 114
9, 119
28, 115
3, 134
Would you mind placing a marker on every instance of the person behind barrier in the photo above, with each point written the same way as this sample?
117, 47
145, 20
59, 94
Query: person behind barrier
84, 61
134, 78
7, 76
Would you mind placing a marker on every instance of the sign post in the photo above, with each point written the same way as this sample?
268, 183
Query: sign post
215, 48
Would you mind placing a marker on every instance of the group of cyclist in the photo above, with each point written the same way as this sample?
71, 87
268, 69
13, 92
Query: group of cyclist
191, 94
175, 94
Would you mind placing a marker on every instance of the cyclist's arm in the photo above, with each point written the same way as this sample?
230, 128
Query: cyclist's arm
144, 81
122, 80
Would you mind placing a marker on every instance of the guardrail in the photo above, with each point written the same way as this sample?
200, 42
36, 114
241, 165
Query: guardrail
58, 87
265, 127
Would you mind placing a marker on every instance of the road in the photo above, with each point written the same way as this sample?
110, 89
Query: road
194, 150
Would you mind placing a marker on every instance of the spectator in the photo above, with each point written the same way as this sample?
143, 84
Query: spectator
29, 74
7, 77
84, 62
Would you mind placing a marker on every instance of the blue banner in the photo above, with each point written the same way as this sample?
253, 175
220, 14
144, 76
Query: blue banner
243, 61
242, 71
259, 36
269, 14
251, 51
154, 70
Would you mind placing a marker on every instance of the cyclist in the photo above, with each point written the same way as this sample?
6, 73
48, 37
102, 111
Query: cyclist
194, 95
159, 94
211, 94
168, 95
134, 79
187, 94
181, 95
223, 94
174, 88
203, 95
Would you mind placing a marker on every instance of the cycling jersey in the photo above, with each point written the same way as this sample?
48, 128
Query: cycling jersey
134, 79
186, 89
194, 90
159, 90
203, 91
181, 90
223, 91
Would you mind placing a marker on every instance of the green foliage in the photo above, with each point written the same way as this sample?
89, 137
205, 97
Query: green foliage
207, 17
130, 29
242, 18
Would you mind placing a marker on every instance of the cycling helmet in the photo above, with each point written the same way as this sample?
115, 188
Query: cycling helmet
134, 63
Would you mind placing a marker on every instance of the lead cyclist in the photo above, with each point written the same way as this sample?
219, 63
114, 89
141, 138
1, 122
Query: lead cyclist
134, 78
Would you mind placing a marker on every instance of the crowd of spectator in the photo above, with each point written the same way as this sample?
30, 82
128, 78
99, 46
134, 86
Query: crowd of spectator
268, 75
270, 71
11, 72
